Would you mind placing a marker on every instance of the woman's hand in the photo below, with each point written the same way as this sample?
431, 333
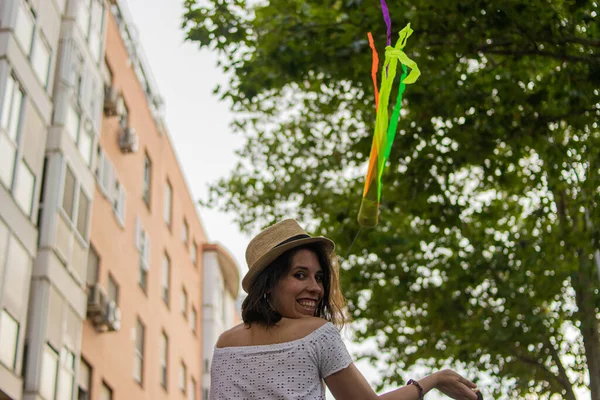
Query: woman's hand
455, 386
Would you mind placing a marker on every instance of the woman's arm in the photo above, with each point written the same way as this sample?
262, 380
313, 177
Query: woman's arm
350, 384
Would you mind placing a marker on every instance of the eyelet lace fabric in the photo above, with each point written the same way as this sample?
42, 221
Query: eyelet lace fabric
290, 370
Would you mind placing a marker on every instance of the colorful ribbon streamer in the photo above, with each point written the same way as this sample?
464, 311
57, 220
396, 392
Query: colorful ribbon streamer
385, 130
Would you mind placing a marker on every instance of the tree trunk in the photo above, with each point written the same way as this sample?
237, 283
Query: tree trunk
584, 283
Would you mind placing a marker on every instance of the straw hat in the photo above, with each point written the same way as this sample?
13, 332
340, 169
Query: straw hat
273, 242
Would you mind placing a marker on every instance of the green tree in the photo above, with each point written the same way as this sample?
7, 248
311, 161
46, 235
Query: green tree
490, 214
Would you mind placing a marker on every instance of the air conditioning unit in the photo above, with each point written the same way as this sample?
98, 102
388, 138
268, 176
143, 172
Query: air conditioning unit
111, 101
96, 304
128, 140
113, 317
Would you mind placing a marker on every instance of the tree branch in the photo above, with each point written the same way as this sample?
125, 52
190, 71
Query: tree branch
534, 362
529, 52
562, 373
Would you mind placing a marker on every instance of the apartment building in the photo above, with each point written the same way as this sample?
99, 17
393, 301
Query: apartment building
220, 293
103, 258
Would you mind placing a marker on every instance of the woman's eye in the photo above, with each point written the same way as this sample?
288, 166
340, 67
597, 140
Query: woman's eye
300, 275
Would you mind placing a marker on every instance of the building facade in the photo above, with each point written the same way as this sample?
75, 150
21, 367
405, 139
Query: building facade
219, 309
103, 258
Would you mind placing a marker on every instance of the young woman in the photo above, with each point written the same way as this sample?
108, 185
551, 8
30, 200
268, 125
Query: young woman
289, 343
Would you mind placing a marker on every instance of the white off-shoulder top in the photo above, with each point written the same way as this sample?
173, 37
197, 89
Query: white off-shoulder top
290, 370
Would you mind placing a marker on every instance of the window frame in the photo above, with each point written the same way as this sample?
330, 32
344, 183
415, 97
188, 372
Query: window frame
78, 188
168, 204
185, 232
106, 387
194, 252
112, 282
68, 368
193, 319
15, 350
40, 40
165, 286
14, 100
142, 243
147, 181
139, 353
183, 377
164, 361
184, 302
87, 390
24, 7
51, 352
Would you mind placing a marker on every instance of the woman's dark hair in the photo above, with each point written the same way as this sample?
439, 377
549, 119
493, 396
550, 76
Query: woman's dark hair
257, 308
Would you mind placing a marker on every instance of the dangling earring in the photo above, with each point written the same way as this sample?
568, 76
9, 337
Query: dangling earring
268, 302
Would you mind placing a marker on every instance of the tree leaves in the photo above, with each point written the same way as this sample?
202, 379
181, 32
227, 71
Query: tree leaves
490, 207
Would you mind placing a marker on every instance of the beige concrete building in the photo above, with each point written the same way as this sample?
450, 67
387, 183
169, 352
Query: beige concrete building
109, 288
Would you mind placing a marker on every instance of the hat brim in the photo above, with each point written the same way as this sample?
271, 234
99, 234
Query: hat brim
263, 262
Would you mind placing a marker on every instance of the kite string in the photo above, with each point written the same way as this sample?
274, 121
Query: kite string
352, 244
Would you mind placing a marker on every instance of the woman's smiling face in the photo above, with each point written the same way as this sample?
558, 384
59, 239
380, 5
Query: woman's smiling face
299, 292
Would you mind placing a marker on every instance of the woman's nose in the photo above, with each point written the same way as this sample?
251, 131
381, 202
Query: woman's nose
314, 286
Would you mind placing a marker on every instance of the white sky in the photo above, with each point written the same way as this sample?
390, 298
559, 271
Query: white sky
197, 122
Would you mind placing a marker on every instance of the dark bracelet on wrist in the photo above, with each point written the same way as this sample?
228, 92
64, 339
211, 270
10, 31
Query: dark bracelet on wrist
418, 385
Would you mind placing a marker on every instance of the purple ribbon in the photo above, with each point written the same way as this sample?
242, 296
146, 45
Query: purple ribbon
388, 22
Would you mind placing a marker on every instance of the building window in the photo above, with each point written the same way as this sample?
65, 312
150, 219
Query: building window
69, 193
85, 142
147, 179
123, 112
68, 203
185, 232
167, 212
9, 335
81, 133
143, 245
84, 380
112, 291
66, 374
49, 373
138, 359
95, 34
184, 302
166, 279
194, 253
164, 360
16, 276
192, 392
90, 20
83, 17
82, 214
106, 392
24, 188
118, 198
183, 377
9, 133
73, 122
40, 59
193, 319
4, 238
24, 29
93, 264
110, 185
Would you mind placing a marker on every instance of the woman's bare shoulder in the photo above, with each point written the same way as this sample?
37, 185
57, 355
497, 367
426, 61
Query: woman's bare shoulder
286, 330
300, 327
231, 337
